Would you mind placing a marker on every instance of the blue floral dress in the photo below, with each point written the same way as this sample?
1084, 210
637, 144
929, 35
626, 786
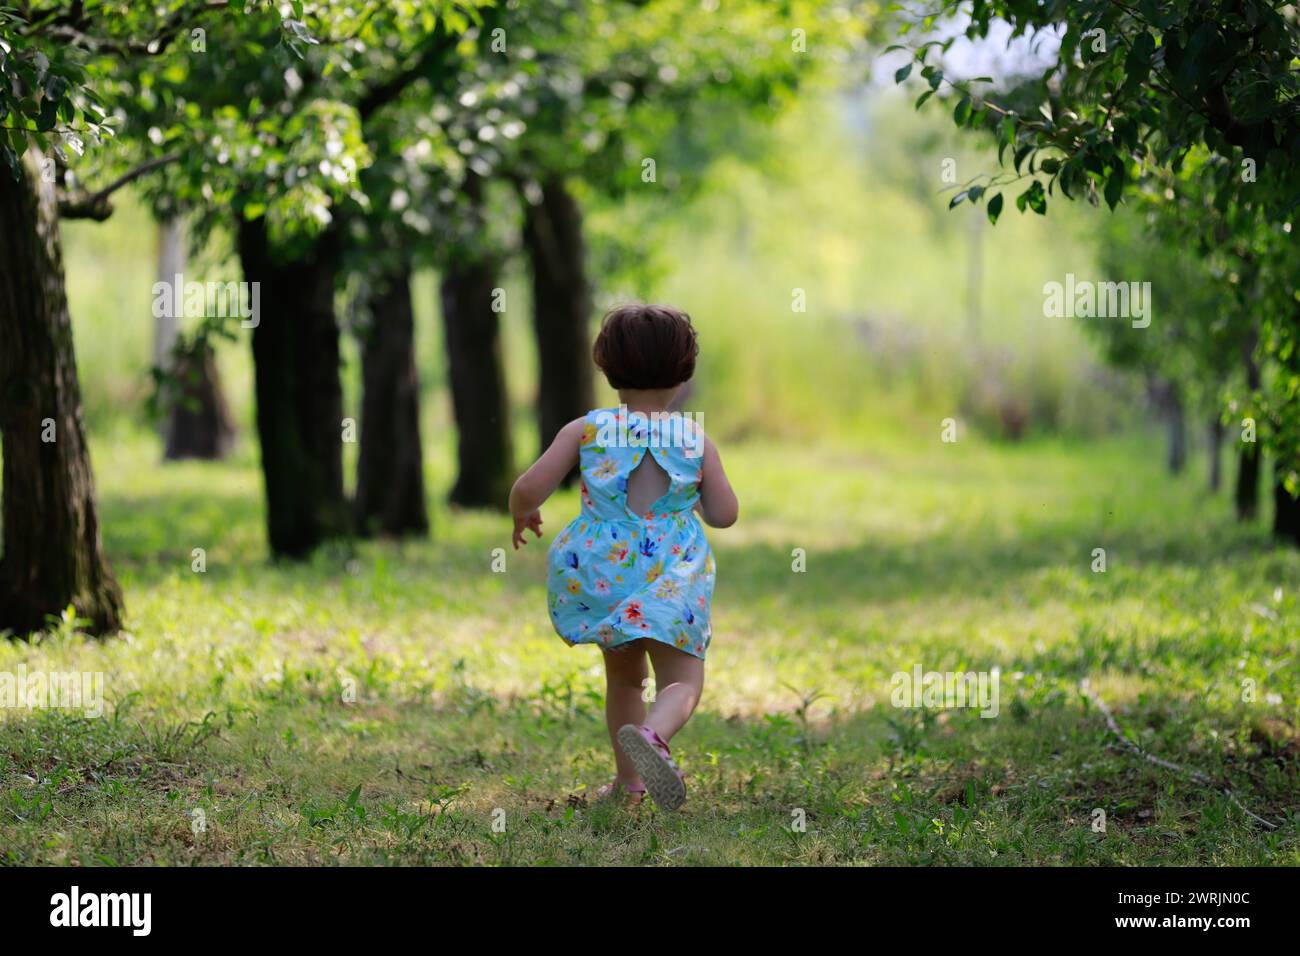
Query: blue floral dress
614, 576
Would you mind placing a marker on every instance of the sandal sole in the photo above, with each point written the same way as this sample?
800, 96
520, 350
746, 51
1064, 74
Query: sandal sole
661, 782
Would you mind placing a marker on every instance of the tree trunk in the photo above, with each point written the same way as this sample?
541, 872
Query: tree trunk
197, 422
199, 425
1286, 509
299, 397
390, 470
1176, 430
1168, 400
1247, 490
562, 308
171, 263
53, 556
478, 390
1215, 434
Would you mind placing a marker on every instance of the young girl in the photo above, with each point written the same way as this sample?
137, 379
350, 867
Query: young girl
633, 572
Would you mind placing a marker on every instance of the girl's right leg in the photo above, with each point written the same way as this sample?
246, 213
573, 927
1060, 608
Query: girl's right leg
679, 681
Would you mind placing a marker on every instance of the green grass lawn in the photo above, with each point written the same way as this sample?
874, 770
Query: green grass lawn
230, 694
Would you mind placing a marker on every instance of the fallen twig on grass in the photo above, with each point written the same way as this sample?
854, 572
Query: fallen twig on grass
1195, 775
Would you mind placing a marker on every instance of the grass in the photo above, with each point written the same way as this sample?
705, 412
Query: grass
402, 703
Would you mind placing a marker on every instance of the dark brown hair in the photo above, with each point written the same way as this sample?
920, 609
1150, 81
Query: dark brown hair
646, 346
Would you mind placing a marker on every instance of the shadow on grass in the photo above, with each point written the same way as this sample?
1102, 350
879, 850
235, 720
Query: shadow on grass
880, 785
153, 537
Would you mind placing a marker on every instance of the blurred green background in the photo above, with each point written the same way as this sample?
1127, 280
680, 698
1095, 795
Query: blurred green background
913, 313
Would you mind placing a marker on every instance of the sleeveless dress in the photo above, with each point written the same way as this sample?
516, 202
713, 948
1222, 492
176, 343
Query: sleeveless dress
614, 576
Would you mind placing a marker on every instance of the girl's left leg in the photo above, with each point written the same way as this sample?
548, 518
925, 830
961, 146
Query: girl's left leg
625, 673
679, 679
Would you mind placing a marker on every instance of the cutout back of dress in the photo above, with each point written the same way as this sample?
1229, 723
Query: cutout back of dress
647, 483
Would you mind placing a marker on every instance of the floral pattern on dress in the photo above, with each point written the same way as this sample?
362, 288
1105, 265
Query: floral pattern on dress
614, 576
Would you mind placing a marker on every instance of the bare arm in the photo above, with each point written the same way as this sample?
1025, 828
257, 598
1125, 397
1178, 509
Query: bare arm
540, 481
718, 505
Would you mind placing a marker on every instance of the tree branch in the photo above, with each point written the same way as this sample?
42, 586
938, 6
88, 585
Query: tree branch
166, 33
439, 49
440, 45
97, 205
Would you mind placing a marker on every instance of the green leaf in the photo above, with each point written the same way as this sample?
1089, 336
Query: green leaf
961, 112
49, 115
1141, 52
902, 73
1006, 135
1115, 185
1034, 197
1023, 150
995, 208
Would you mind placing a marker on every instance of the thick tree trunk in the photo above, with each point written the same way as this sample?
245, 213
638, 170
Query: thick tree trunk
299, 397
562, 307
1286, 511
390, 470
197, 421
53, 556
1214, 436
478, 388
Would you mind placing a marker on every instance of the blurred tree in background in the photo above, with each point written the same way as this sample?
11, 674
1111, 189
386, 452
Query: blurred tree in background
1192, 104
257, 122
337, 150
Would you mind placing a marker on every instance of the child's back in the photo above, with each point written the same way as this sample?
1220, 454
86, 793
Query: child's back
619, 573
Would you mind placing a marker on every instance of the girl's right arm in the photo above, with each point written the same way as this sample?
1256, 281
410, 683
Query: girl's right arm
540, 481
718, 505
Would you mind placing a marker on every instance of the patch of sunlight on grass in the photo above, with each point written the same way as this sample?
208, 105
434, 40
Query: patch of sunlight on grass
266, 693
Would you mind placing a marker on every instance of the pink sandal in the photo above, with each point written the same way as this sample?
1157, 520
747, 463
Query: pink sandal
654, 762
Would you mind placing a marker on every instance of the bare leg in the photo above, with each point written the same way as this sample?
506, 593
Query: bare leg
625, 669
679, 681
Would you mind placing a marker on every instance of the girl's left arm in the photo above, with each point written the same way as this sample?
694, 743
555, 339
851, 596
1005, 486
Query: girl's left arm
540, 481
717, 505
